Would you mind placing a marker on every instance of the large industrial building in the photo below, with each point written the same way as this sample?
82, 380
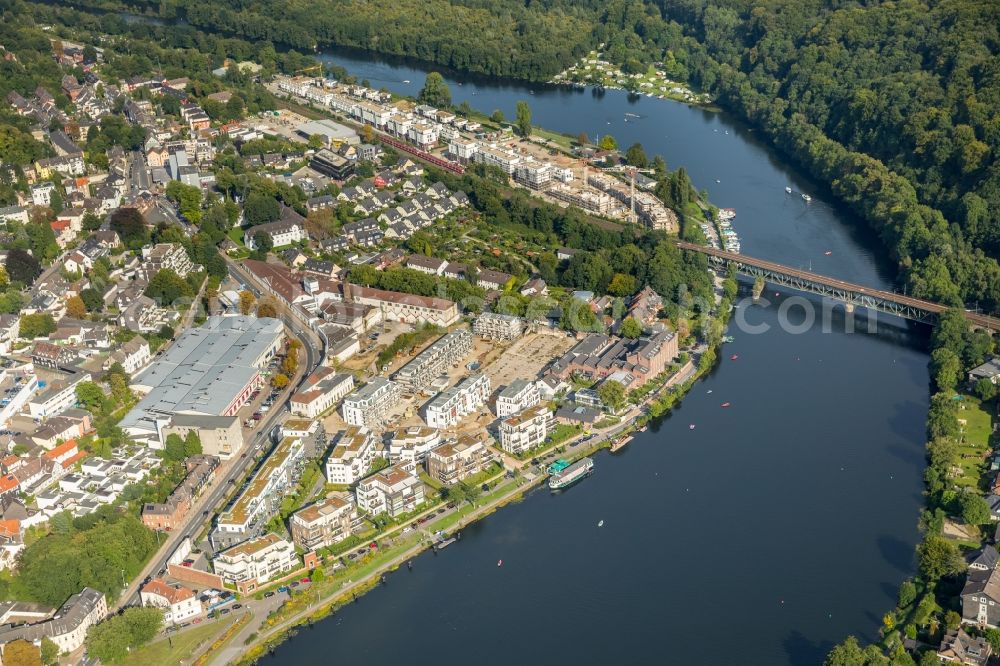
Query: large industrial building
207, 371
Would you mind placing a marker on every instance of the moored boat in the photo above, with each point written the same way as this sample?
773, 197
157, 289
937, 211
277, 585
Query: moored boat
620, 443
575, 472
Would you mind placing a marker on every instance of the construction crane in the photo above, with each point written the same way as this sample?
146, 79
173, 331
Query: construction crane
309, 69
631, 171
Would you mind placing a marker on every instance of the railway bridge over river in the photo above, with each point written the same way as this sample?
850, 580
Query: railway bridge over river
851, 294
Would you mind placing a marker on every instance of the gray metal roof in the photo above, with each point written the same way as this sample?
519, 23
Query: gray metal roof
203, 370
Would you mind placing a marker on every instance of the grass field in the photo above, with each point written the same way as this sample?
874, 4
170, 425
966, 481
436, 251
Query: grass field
181, 646
975, 441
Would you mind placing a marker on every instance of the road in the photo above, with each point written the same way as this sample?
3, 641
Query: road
231, 471
138, 175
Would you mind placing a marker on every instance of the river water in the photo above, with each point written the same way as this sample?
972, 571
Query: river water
763, 536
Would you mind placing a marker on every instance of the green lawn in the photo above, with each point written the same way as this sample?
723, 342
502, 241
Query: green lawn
170, 652
975, 441
236, 235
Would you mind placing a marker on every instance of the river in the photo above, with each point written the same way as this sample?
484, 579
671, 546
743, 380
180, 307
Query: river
763, 536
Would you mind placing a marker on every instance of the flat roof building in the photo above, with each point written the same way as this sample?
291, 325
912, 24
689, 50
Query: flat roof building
208, 371
324, 523
447, 350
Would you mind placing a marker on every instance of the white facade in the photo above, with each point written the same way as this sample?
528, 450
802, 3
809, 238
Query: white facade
394, 491
496, 326
258, 559
517, 396
526, 430
369, 406
352, 455
451, 406
322, 390
41, 194
178, 603
410, 446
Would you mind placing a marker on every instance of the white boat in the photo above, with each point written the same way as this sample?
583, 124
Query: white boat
406, 80
806, 197
788, 190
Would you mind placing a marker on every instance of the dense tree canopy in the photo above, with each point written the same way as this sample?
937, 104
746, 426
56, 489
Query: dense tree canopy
111, 640
90, 551
435, 91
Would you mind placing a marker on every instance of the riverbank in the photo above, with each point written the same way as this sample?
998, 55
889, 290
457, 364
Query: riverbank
324, 600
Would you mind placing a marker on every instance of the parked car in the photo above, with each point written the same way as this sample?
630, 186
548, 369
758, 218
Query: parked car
307, 579
268, 595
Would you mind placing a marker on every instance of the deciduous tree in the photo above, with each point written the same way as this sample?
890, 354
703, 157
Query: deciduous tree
435, 91
523, 118
21, 653
75, 307
247, 300
631, 328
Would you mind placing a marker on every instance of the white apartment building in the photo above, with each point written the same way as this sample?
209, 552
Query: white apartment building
496, 156
282, 233
321, 391
462, 148
426, 366
455, 461
496, 326
424, 134
57, 397
168, 255
68, 627
41, 194
258, 560
449, 407
534, 174
352, 455
369, 406
394, 491
526, 430
517, 396
410, 446
178, 603
324, 523
255, 505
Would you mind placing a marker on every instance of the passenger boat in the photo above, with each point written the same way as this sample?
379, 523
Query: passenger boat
575, 472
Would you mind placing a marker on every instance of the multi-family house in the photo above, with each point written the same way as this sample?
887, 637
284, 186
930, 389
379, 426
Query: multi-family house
353, 453
394, 491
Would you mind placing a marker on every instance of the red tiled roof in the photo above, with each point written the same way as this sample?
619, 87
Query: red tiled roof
61, 450
172, 594
9, 483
